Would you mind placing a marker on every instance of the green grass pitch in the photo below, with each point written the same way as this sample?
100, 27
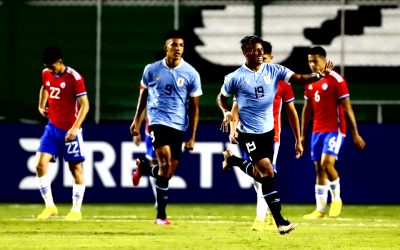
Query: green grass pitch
196, 226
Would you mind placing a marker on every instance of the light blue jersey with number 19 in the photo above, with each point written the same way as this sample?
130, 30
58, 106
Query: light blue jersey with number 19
255, 92
169, 91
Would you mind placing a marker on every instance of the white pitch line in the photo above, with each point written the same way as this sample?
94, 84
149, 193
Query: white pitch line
141, 220
212, 220
173, 216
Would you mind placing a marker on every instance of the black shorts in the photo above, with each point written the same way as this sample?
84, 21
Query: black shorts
162, 135
257, 146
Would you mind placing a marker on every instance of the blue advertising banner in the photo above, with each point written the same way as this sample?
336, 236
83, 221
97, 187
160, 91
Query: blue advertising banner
366, 177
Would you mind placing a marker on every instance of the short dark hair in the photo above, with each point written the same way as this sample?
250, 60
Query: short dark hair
250, 40
51, 55
267, 47
317, 50
174, 34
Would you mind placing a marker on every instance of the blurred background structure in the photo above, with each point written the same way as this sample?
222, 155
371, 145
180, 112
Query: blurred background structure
110, 42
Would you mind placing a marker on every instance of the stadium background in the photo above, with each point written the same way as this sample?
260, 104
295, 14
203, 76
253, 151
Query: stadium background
362, 40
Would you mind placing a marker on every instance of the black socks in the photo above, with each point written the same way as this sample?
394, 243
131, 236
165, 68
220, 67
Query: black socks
162, 196
272, 198
244, 165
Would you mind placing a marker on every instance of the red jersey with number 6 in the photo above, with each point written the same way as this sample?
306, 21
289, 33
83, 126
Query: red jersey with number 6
63, 90
325, 96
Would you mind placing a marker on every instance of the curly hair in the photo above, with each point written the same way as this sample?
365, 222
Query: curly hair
250, 40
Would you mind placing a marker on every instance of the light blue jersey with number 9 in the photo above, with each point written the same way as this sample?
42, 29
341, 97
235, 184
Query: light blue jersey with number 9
169, 91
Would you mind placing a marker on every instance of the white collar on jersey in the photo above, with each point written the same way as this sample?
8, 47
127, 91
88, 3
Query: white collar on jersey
179, 65
258, 71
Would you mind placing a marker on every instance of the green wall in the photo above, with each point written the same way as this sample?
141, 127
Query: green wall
131, 38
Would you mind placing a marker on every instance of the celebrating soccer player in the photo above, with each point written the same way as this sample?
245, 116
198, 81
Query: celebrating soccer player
255, 84
284, 94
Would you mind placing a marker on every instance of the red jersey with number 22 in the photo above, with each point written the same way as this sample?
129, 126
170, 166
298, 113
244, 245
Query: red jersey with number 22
325, 96
63, 90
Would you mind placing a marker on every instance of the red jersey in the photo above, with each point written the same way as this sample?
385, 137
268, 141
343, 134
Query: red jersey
63, 90
325, 96
342, 119
283, 94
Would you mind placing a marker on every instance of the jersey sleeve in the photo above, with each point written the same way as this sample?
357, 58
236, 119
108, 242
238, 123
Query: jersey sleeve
281, 72
286, 91
307, 95
343, 90
45, 73
145, 77
287, 73
79, 83
80, 88
196, 85
227, 87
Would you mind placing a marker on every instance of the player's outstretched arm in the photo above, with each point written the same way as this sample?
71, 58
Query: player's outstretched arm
313, 77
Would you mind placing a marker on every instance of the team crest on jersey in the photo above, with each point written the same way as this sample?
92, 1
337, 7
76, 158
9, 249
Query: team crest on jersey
181, 81
47, 83
310, 87
324, 86
267, 80
62, 85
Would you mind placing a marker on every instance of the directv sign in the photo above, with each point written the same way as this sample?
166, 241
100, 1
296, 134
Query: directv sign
128, 153
108, 167
111, 154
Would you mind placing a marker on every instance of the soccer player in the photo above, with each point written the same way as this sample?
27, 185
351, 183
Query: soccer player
326, 98
285, 95
63, 99
255, 84
171, 94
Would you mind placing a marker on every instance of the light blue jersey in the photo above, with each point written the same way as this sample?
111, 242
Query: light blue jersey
255, 92
169, 91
